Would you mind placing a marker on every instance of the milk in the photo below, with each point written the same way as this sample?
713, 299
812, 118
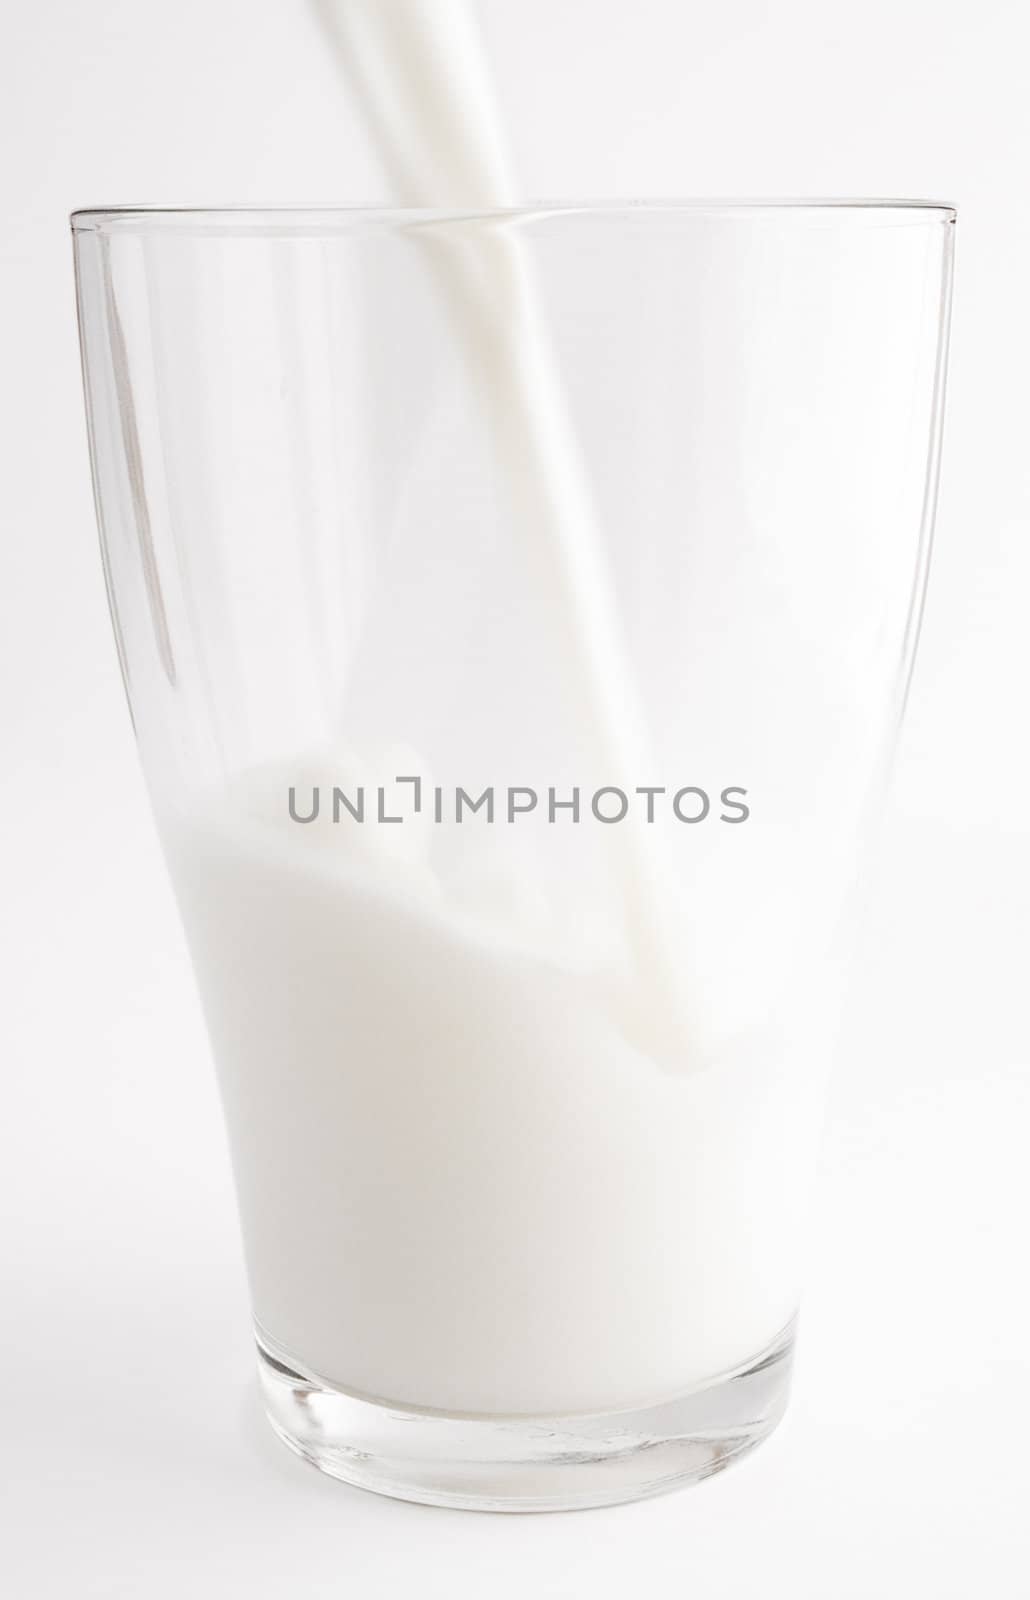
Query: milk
487, 1160
463, 1184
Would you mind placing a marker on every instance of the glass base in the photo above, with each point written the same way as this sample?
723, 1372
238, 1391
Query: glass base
526, 1463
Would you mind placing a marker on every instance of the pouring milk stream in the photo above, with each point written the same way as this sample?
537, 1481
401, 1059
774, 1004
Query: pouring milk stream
421, 75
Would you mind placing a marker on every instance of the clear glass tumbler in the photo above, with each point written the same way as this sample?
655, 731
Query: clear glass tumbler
516, 611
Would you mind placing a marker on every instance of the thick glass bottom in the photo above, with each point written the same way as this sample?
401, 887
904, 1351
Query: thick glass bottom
518, 1463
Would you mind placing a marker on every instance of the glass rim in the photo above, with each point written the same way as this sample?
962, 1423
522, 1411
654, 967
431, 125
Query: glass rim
299, 218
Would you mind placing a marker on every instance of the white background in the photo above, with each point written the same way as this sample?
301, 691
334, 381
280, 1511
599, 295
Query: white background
133, 1460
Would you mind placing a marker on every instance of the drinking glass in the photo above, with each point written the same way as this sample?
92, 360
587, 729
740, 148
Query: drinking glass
516, 611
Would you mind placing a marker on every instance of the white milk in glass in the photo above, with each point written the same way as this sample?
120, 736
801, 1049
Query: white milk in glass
465, 1183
